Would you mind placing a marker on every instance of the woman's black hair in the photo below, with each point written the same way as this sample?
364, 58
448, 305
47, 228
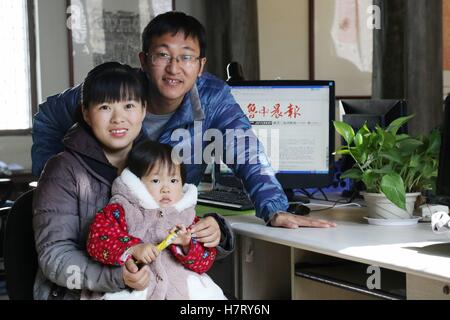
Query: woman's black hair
112, 82
147, 154
173, 22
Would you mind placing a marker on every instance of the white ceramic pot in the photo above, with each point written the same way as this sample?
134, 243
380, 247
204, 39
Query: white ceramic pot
379, 207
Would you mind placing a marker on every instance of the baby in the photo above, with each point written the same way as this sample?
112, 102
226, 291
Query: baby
150, 200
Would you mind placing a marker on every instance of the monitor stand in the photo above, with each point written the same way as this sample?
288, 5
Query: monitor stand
295, 197
353, 192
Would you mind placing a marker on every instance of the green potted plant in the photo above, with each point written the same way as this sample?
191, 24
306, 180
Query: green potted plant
395, 168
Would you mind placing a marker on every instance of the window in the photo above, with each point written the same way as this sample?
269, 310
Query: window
15, 77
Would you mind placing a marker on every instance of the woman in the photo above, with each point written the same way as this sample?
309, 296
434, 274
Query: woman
76, 183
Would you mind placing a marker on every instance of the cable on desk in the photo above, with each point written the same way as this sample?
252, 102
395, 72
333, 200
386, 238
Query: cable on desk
342, 200
337, 205
334, 205
306, 193
323, 193
311, 196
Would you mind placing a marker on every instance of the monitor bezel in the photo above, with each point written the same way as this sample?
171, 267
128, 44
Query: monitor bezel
292, 180
393, 109
442, 184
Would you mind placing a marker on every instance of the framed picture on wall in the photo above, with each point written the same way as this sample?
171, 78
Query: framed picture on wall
341, 46
100, 31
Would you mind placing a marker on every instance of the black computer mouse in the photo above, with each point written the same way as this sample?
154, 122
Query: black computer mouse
299, 209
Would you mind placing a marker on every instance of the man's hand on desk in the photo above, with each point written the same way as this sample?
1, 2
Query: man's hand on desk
292, 221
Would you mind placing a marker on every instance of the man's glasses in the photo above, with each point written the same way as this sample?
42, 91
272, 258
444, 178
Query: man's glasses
162, 59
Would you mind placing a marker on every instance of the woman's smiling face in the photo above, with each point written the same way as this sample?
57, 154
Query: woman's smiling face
115, 124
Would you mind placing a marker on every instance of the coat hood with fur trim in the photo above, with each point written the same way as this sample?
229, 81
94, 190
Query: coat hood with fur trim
131, 187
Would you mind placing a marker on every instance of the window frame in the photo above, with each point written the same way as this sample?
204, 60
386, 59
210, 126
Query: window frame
30, 8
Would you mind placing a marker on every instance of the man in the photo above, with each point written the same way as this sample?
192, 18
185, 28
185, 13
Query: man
181, 95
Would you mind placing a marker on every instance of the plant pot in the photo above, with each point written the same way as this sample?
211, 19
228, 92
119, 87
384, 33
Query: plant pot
379, 207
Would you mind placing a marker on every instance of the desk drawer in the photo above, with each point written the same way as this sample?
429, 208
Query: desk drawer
306, 289
418, 288
345, 280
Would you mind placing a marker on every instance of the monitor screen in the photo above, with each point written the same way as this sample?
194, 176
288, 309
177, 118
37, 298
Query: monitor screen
443, 181
293, 121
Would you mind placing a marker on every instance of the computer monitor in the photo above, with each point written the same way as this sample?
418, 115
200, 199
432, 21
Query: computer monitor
443, 180
302, 113
358, 112
373, 112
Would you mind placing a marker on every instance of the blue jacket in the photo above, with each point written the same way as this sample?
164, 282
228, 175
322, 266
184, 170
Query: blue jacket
210, 103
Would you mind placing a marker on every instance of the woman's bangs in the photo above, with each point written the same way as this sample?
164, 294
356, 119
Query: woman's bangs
115, 88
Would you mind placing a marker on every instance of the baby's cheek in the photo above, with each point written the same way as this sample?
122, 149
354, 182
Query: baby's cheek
154, 193
178, 196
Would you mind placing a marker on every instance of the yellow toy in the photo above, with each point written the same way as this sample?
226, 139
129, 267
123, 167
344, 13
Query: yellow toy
168, 240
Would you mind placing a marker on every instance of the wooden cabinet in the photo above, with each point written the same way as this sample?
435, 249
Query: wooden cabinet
419, 288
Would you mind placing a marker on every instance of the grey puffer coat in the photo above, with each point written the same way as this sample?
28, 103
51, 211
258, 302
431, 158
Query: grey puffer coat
68, 195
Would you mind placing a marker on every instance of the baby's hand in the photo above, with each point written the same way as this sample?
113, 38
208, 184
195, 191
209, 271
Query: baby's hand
144, 253
183, 237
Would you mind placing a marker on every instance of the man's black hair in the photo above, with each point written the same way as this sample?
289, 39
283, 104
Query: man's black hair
173, 22
147, 154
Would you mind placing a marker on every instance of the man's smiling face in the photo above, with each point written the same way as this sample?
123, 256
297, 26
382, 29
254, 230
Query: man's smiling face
172, 80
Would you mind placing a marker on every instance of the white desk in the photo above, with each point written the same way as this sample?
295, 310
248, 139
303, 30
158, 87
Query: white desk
266, 256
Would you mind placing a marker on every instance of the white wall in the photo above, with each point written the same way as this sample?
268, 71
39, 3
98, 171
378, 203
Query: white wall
16, 149
194, 8
53, 57
446, 83
283, 39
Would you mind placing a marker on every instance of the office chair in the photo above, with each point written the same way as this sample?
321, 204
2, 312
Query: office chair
3, 213
234, 72
20, 255
6, 190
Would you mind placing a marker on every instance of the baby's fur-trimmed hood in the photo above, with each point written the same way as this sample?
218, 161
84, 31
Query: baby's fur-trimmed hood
132, 188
